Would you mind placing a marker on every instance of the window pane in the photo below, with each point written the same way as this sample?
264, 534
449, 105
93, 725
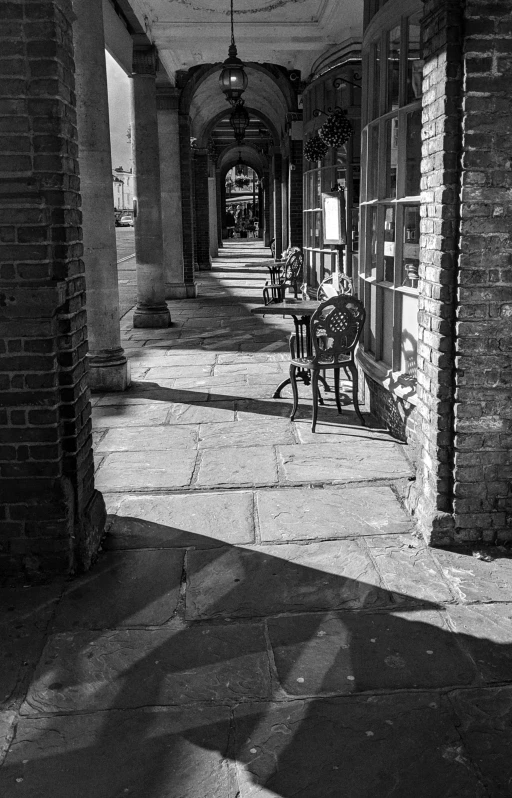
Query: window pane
413, 154
389, 244
409, 334
373, 157
318, 228
372, 242
393, 69
387, 325
391, 156
414, 61
411, 246
376, 80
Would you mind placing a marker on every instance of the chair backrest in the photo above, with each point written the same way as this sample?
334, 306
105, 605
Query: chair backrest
326, 289
336, 327
293, 266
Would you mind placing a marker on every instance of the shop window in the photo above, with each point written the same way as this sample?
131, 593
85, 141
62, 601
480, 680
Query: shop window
390, 207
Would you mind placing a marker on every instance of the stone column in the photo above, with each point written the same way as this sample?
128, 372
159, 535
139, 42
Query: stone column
201, 203
266, 209
108, 368
260, 210
212, 198
167, 101
278, 202
151, 310
221, 203
187, 201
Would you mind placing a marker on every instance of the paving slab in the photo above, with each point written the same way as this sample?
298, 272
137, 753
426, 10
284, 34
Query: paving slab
133, 416
408, 568
248, 409
230, 465
336, 427
473, 579
24, 616
302, 513
353, 461
485, 727
147, 469
123, 588
246, 433
201, 520
138, 439
354, 652
255, 357
181, 413
485, 631
171, 371
149, 752
7, 721
403, 745
85, 672
267, 580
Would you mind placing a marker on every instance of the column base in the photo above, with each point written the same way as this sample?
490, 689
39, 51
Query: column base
108, 371
180, 291
205, 266
151, 316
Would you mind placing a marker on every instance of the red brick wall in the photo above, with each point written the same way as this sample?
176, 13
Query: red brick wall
51, 519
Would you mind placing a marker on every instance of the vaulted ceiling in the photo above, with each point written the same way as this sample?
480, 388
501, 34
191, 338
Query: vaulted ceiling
292, 33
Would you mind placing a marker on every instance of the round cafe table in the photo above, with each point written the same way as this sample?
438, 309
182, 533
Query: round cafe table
301, 312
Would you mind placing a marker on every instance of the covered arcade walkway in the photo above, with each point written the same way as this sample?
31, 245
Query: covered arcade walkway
261, 620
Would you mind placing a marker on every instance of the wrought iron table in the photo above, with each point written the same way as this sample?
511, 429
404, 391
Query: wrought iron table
301, 312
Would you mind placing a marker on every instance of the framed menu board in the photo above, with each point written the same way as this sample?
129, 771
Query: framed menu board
333, 211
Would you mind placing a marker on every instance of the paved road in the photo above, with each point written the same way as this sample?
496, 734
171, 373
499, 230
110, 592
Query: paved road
126, 268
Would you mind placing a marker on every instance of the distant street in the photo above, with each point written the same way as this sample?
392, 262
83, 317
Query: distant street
126, 269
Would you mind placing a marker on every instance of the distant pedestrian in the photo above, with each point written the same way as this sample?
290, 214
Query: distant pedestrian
230, 224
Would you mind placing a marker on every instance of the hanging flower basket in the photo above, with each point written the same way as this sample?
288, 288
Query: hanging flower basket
315, 148
242, 182
337, 129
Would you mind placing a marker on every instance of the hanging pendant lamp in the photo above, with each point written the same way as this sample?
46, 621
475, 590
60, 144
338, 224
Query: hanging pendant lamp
233, 80
239, 121
239, 164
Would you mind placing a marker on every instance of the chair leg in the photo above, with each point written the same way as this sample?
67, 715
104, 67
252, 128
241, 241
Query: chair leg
293, 381
323, 380
314, 388
337, 389
355, 386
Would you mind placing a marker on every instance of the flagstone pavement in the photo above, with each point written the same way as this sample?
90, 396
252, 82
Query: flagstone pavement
262, 621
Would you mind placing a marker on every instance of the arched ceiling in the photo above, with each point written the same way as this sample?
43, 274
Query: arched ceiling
229, 157
262, 94
257, 134
292, 33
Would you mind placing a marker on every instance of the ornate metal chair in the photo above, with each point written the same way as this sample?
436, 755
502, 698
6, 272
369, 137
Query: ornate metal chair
335, 329
283, 275
327, 288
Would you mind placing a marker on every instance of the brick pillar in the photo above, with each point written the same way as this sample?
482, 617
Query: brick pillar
285, 209
260, 210
108, 369
295, 193
52, 519
187, 201
167, 100
277, 202
442, 97
482, 423
202, 212
151, 309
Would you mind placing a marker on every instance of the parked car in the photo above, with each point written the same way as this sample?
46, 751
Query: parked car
125, 221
